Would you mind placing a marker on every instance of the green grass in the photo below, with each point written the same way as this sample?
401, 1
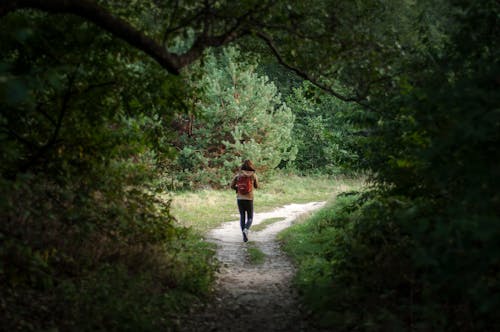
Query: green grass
255, 255
264, 223
205, 209
313, 244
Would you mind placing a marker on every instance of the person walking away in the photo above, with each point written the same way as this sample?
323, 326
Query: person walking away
244, 182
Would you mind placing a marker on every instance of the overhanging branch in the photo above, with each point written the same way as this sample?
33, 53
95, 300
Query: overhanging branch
92, 12
100, 16
269, 41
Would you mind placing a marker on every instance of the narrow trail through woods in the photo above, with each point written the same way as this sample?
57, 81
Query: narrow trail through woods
253, 297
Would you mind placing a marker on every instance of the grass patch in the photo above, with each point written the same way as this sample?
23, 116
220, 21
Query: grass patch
264, 223
255, 255
205, 209
308, 237
315, 246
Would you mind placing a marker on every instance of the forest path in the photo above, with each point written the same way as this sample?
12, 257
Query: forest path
248, 296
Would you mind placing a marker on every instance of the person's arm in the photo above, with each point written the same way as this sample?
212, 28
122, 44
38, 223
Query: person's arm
255, 181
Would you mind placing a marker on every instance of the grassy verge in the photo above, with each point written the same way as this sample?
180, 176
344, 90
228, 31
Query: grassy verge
313, 245
206, 209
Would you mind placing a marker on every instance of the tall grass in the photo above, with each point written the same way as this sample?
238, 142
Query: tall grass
206, 209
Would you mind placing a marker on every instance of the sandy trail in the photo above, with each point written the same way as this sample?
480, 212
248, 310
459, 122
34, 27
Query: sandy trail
253, 297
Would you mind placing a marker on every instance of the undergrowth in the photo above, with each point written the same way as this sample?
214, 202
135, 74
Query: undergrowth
108, 258
371, 262
352, 268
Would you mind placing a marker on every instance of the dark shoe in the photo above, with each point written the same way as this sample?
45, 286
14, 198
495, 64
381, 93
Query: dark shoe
245, 238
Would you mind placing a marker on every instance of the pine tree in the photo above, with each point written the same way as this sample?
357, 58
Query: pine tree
239, 115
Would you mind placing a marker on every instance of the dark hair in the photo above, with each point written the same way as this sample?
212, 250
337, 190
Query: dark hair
248, 166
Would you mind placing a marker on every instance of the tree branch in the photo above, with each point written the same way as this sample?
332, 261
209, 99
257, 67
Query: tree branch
9, 131
98, 85
64, 107
180, 26
237, 30
92, 12
39, 109
203, 42
268, 40
100, 16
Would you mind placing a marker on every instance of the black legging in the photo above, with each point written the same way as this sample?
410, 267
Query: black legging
245, 205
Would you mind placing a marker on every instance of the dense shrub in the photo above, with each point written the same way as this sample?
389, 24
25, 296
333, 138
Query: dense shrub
340, 254
420, 251
85, 244
374, 264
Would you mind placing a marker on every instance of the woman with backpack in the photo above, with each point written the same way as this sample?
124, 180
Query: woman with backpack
244, 182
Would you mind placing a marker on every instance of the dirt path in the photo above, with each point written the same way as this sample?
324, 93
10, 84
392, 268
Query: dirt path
253, 297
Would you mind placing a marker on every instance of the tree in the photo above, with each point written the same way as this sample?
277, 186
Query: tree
239, 115
323, 131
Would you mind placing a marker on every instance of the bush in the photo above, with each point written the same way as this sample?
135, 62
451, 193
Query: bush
350, 267
106, 259
379, 262
420, 251
85, 244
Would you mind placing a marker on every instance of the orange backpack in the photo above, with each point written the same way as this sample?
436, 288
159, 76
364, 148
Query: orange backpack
244, 184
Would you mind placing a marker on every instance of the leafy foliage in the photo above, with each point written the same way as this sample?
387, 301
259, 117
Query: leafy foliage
323, 132
83, 233
420, 250
353, 261
237, 115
